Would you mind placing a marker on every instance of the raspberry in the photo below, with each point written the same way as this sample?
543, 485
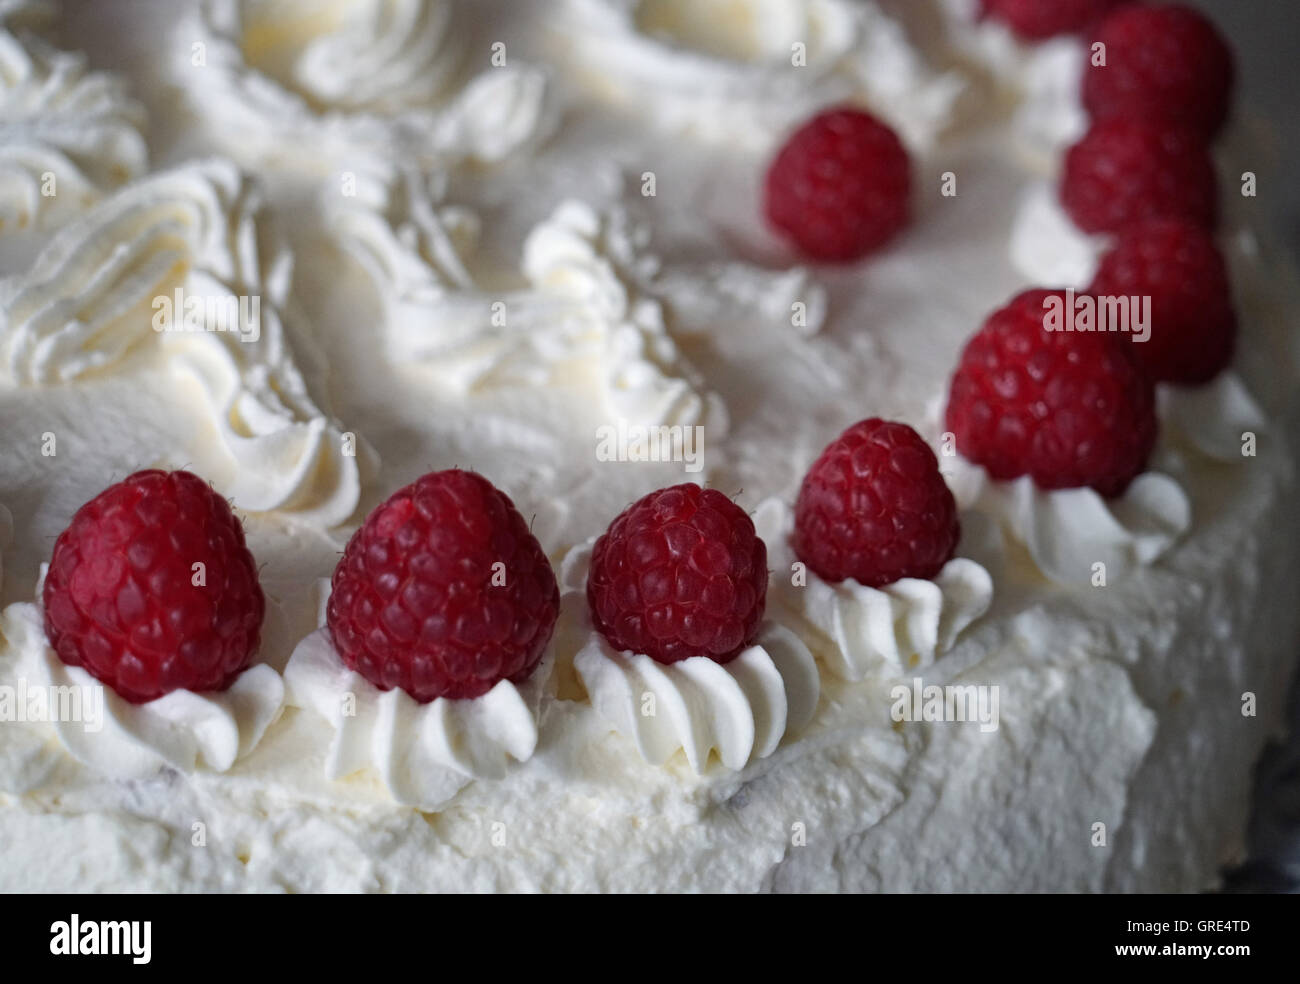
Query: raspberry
1034, 20
1162, 63
680, 573
1123, 171
841, 186
120, 595
443, 591
1068, 408
874, 508
1177, 265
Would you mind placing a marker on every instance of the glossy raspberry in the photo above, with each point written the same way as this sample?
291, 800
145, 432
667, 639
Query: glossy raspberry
1068, 408
1165, 63
1034, 20
443, 591
840, 187
1177, 265
1124, 171
874, 508
680, 573
120, 595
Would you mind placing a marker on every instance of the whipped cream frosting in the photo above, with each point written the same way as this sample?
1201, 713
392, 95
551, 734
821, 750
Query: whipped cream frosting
740, 709
323, 81
1051, 118
590, 298
1039, 81
743, 72
97, 291
1067, 531
181, 730
1070, 531
67, 135
1216, 418
1047, 247
589, 272
423, 753
900, 627
699, 298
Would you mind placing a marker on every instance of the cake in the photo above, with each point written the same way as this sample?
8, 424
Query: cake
312, 250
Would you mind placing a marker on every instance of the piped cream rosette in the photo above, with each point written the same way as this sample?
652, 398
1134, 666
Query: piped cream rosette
740, 709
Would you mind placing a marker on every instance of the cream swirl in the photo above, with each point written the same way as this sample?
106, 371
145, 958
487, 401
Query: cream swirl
67, 135
591, 297
199, 230
327, 78
423, 753
64, 707
1051, 116
591, 278
699, 298
1070, 531
411, 246
746, 71
1047, 247
741, 709
1040, 79
1216, 418
901, 626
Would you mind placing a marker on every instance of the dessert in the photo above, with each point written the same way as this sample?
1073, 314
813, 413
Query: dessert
443, 592
527, 242
1192, 321
841, 186
1101, 427
127, 594
875, 509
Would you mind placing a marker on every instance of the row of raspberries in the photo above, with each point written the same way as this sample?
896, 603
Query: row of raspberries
1069, 409
444, 591
1157, 87
1078, 409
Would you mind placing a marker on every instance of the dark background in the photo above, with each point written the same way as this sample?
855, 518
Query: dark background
1266, 37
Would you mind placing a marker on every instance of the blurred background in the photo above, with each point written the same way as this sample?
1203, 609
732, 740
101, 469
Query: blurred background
1266, 36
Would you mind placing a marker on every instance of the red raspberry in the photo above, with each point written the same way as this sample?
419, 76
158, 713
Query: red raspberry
874, 508
1123, 171
1034, 20
680, 573
443, 591
1068, 408
841, 186
120, 598
1163, 63
1177, 265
